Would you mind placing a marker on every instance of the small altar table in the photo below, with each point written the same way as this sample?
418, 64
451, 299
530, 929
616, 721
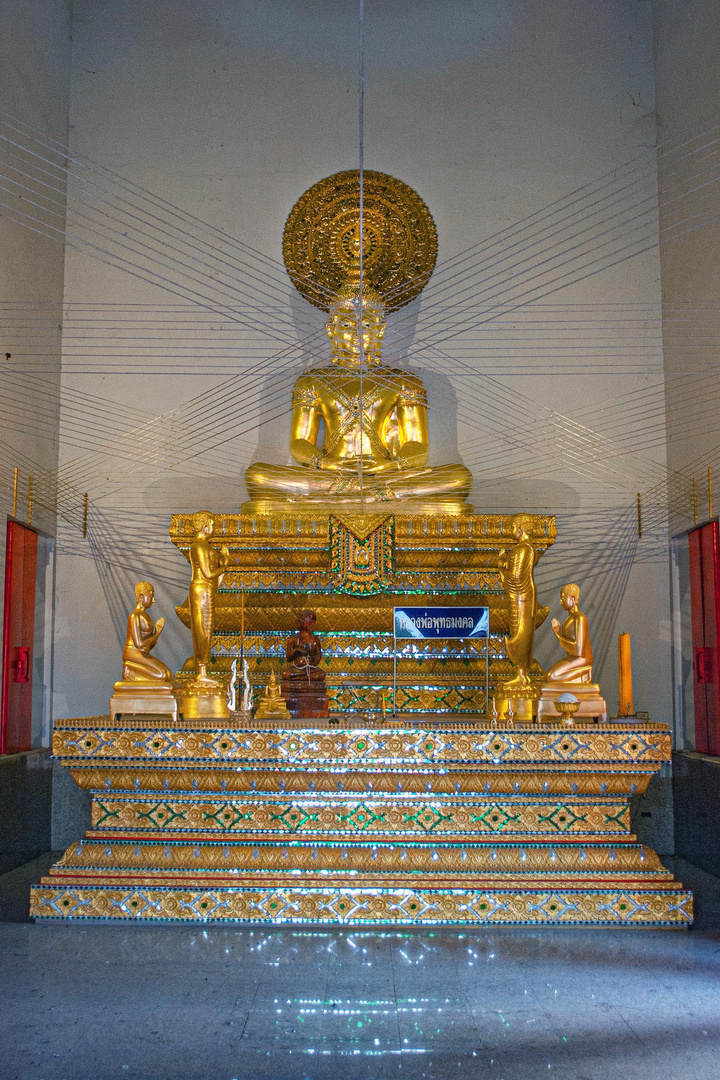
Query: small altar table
431, 821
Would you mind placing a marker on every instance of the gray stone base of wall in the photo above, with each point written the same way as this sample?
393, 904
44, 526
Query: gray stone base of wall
696, 795
25, 807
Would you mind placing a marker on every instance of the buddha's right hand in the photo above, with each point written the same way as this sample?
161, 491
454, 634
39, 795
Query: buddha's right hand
306, 453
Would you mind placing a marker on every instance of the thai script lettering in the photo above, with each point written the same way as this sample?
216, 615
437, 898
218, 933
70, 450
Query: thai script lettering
441, 622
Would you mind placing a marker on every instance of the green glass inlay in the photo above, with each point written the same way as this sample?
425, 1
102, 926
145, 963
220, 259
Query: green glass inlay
495, 818
562, 818
361, 817
227, 816
161, 814
621, 819
427, 818
106, 813
293, 818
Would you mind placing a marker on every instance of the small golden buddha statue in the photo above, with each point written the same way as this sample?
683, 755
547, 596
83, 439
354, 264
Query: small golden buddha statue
375, 444
574, 673
272, 705
146, 684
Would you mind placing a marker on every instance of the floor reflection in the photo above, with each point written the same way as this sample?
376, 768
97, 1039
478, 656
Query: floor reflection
85, 1002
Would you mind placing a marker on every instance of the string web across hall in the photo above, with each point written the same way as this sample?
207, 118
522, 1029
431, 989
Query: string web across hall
490, 315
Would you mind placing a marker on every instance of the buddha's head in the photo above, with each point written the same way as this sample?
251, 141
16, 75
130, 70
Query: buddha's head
306, 620
347, 314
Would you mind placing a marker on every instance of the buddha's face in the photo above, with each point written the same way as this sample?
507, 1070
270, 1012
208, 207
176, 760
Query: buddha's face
147, 599
342, 330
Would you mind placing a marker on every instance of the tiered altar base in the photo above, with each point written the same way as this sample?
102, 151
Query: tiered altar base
352, 570
430, 822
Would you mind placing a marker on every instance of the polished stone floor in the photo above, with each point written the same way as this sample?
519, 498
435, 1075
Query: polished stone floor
186, 1003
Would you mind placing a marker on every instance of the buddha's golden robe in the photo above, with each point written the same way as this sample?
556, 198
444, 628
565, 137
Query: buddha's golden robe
375, 446
359, 431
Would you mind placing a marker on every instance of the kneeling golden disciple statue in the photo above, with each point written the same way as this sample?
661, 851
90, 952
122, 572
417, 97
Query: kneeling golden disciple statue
146, 684
574, 673
359, 429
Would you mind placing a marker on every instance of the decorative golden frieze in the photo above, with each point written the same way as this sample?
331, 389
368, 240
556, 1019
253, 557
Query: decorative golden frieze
382, 817
666, 907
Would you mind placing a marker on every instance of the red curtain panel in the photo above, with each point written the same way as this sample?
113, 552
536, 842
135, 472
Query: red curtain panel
705, 612
18, 635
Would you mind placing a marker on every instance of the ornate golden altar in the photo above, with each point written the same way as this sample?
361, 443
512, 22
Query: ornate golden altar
448, 816
432, 822
352, 571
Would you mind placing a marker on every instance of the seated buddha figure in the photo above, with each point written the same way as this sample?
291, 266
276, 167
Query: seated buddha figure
303, 680
374, 442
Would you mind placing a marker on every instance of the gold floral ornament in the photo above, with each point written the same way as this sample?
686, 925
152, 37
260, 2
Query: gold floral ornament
321, 240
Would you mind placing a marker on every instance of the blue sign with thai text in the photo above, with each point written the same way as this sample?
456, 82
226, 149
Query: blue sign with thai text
442, 622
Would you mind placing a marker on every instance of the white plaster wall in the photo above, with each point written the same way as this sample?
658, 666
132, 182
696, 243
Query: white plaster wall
34, 89
492, 111
687, 64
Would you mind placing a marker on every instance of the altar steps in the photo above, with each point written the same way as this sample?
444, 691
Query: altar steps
441, 822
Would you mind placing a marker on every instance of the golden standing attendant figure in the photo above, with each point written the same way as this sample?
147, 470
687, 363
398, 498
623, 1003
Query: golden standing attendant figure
517, 565
207, 567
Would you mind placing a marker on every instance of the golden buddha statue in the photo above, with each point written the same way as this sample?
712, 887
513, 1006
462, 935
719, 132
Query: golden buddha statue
376, 441
146, 685
272, 705
517, 565
359, 429
573, 674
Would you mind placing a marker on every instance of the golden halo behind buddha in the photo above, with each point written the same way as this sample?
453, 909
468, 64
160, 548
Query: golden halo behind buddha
321, 238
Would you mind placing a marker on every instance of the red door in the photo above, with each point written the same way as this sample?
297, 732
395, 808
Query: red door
18, 636
705, 616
